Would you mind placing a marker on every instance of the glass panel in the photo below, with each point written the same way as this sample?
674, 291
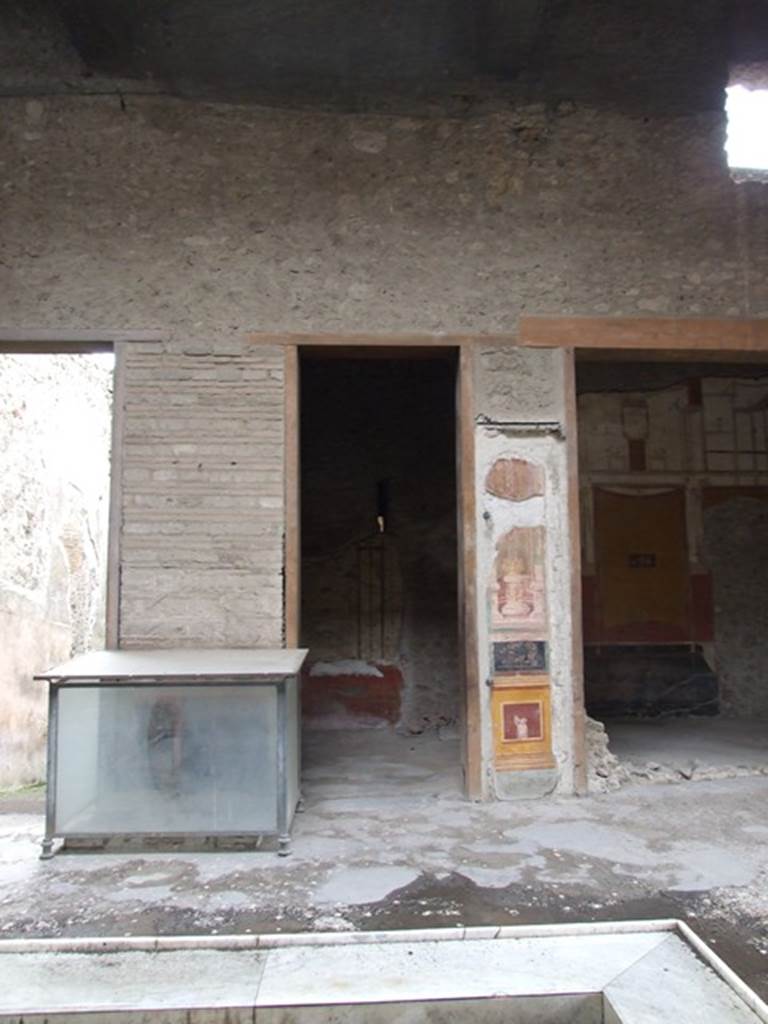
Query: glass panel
292, 745
168, 759
79, 714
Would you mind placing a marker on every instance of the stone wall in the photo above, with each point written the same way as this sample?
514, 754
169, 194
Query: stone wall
202, 495
206, 219
55, 432
736, 549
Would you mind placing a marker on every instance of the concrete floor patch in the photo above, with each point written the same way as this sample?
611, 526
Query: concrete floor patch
363, 885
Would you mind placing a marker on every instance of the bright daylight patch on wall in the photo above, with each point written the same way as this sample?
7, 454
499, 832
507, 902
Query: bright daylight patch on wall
747, 139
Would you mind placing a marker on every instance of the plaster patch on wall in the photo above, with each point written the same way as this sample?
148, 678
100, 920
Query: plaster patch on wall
515, 480
508, 515
346, 667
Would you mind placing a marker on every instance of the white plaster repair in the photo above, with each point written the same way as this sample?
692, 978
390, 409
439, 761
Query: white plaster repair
345, 667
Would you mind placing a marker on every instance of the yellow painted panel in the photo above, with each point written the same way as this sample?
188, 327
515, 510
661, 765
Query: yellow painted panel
642, 565
522, 726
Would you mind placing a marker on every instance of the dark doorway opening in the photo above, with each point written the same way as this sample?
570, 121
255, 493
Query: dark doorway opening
379, 549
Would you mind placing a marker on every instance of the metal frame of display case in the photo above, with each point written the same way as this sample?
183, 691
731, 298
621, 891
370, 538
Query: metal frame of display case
72, 675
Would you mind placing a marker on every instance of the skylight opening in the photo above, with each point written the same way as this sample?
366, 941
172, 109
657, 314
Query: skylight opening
746, 144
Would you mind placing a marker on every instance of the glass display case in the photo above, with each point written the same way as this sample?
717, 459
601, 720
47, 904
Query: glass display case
177, 744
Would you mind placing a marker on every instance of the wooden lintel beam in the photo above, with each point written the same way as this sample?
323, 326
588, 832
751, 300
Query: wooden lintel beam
76, 348
46, 339
354, 339
689, 334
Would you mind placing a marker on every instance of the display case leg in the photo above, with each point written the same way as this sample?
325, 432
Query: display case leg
300, 805
283, 845
46, 849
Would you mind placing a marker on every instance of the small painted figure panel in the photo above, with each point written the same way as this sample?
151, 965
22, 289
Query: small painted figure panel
523, 721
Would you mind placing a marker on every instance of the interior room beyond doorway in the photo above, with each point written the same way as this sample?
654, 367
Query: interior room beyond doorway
673, 467
379, 559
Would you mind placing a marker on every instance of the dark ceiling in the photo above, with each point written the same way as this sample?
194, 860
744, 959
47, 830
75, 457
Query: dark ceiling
362, 53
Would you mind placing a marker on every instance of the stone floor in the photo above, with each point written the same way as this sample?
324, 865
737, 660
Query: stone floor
387, 841
693, 747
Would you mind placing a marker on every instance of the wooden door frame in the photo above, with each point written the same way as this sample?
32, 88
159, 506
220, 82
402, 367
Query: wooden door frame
465, 487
